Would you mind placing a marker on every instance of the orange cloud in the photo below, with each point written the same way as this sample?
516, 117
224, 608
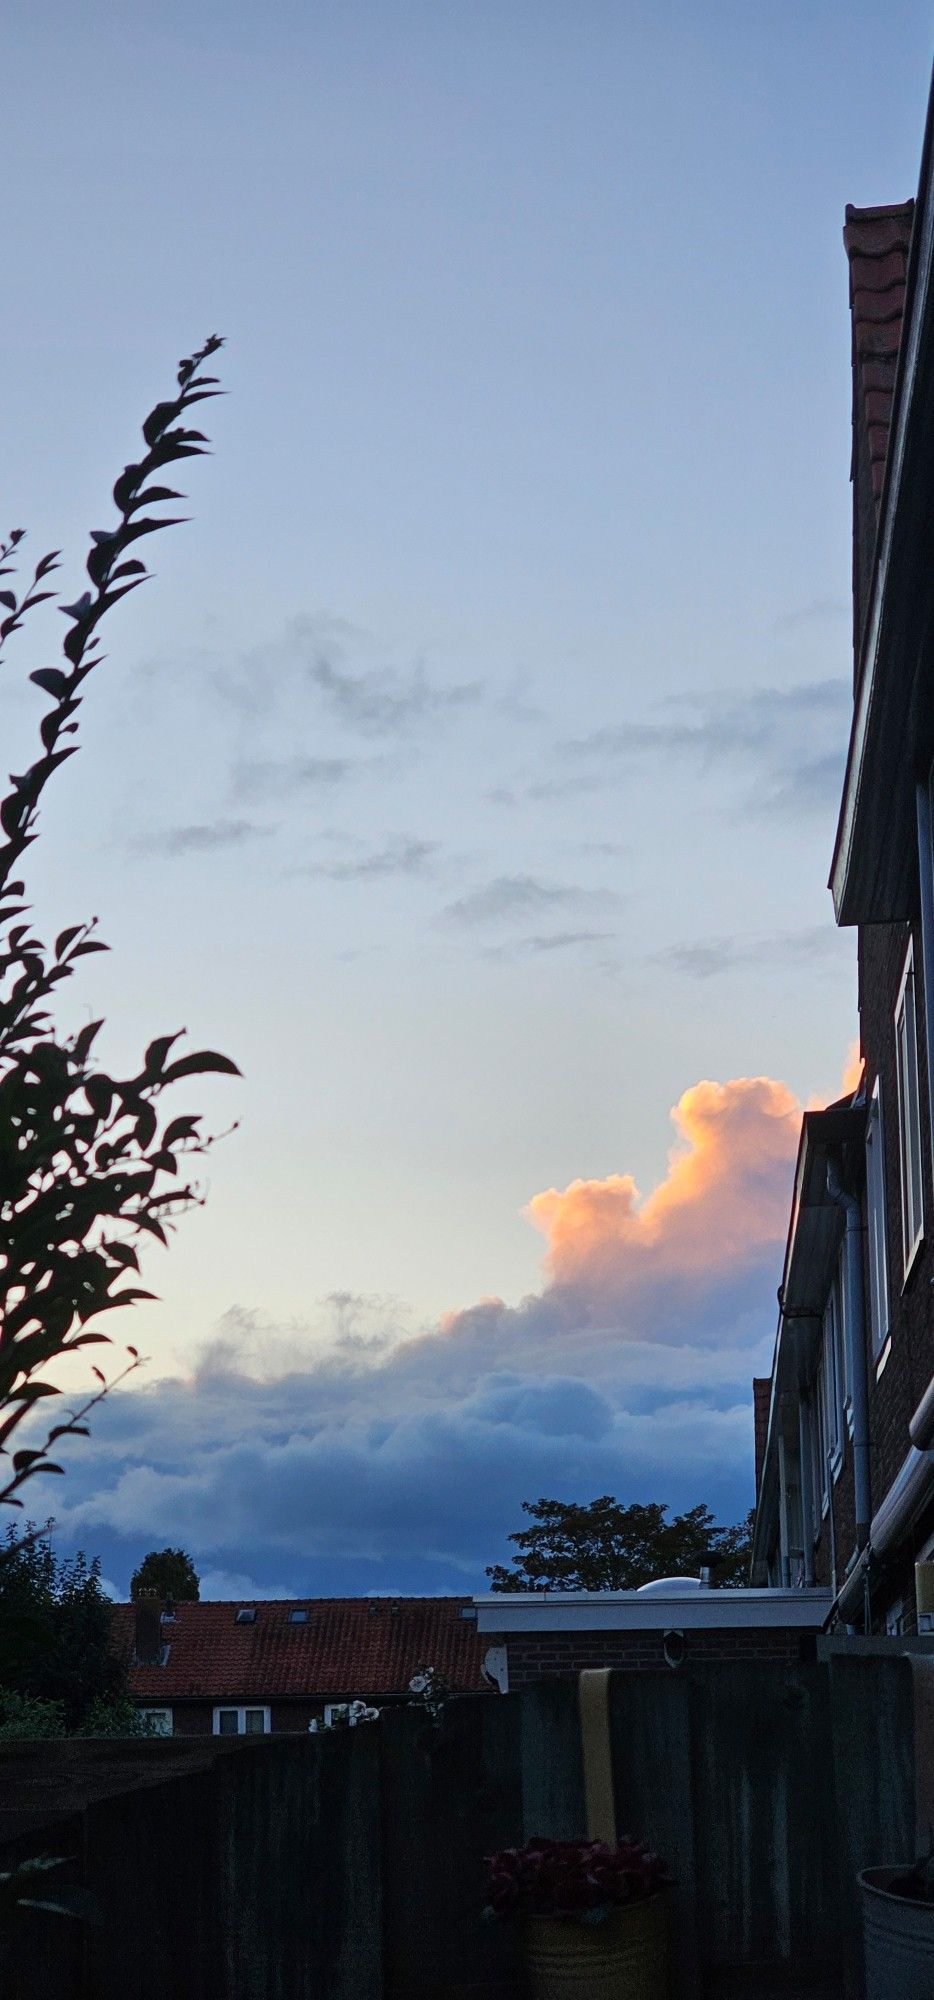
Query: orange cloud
723, 1202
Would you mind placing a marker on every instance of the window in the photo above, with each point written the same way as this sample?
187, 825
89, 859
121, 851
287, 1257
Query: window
159, 1720
827, 1397
241, 1722
298, 1617
246, 1615
909, 1114
875, 1221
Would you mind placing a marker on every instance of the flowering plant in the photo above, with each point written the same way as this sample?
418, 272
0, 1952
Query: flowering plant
344, 1715
572, 1878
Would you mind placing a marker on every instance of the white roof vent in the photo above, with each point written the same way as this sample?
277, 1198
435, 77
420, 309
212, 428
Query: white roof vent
671, 1586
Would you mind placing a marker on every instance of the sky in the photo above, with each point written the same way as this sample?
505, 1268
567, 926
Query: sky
469, 770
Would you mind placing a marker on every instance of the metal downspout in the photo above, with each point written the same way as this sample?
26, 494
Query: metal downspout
926, 879
855, 1331
807, 1502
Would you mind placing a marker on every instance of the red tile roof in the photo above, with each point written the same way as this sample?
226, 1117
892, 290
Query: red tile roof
350, 1646
876, 241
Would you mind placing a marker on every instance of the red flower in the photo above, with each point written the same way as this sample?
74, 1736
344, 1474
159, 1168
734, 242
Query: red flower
569, 1877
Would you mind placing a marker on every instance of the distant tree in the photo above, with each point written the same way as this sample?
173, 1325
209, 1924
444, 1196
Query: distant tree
56, 1643
86, 1170
605, 1545
166, 1573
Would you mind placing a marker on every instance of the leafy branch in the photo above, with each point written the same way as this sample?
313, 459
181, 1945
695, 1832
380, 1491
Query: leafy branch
87, 1168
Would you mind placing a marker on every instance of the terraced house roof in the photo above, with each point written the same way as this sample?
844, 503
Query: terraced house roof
877, 242
342, 1647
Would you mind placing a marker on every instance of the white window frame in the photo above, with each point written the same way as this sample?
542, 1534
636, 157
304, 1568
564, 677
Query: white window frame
909, 1114
241, 1712
877, 1240
159, 1715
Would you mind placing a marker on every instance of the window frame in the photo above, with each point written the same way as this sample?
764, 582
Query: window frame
149, 1713
877, 1229
241, 1710
908, 1083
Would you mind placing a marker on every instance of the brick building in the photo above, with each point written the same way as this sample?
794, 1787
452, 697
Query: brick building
261, 1668
845, 1430
533, 1635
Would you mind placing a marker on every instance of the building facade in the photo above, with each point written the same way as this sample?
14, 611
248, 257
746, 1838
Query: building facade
845, 1424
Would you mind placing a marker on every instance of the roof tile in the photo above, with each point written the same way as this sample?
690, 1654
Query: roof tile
876, 242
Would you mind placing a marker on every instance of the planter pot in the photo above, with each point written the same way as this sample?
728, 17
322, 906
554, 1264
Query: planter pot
898, 1935
623, 1958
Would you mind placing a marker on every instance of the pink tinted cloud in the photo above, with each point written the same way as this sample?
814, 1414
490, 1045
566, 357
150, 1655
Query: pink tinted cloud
724, 1200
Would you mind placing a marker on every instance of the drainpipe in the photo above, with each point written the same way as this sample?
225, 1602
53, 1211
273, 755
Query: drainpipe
807, 1504
926, 881
855, 1331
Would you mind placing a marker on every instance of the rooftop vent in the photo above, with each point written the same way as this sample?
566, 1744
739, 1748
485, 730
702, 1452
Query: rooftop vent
246, 1615
671, 1586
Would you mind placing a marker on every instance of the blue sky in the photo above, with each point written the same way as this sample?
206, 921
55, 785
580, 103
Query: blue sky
468, 771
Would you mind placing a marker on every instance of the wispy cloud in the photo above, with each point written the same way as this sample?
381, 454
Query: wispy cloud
510, 897
820, 611
813, 785
278, 777
708, 958
206, 838
399, 856
790, 741
387, 701
724, 724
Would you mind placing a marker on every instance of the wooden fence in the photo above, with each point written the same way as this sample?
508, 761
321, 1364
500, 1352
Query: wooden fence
350, 1866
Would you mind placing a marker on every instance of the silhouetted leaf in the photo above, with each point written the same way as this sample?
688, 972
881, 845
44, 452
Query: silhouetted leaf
51, 680
199, 1065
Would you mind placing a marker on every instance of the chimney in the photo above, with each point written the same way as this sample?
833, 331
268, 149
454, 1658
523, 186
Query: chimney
148, 1650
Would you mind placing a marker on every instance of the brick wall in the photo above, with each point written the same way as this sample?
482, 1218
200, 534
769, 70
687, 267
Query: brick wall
535, 1656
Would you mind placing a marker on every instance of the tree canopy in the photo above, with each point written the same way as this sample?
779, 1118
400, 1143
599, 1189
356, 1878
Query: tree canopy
166, 1573
604, 1545
55, 1633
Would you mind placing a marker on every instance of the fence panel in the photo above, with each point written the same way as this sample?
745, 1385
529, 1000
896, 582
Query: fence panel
452, 1793
765, 1853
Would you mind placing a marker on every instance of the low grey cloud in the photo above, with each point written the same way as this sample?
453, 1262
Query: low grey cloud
206, 838
399, 856
386, 701
708, 958
510, 897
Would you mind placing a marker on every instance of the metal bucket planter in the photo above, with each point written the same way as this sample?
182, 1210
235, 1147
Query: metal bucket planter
623, 1958
898, 1935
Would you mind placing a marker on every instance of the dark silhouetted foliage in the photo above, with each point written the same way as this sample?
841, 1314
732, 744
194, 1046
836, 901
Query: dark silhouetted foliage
606, 1546
166, 1573
55, 1632
87, 1168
